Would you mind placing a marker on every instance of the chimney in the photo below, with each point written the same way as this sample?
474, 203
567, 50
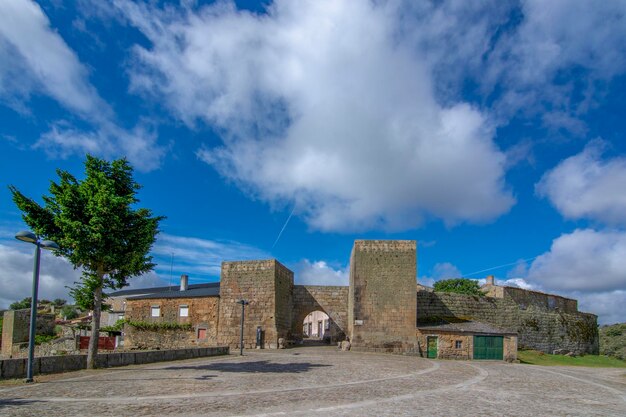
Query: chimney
184, 282
490, 280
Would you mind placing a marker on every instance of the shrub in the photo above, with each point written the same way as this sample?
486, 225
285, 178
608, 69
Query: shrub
44, 338
69, 312
459, 286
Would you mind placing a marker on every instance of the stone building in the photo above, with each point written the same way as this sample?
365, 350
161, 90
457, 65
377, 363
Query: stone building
383, 309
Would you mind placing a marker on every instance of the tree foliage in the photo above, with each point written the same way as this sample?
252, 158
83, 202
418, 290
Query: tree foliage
97, 228
20, 305
459, 286
69, 312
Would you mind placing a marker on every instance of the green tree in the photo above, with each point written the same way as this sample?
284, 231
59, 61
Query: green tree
20, 305
59, 302
69, 312
97, 228
459, 286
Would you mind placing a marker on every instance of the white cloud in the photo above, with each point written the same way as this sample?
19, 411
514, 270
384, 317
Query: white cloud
320, 273
139, 145
34, 58
519, 283
16, 274
530, 58
609, 306
554, 39
200, 257
321, 105
584, 260
586, 186
442, 270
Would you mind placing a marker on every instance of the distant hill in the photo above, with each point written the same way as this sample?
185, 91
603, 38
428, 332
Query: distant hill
613, 340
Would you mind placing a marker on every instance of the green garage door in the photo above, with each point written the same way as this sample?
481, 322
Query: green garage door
488, 347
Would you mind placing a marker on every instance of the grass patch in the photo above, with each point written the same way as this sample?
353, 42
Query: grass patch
533, 357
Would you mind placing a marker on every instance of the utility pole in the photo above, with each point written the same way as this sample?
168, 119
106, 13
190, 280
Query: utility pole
243, 303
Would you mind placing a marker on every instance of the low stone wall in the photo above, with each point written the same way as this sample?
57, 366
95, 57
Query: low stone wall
538, 328
16, 368
162, 339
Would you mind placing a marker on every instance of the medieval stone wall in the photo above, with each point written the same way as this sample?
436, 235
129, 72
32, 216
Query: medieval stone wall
332, 300
382, 298
537, 327
254, 281
283, 301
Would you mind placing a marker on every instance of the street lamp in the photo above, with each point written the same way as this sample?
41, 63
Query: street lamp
30, 237
243, 303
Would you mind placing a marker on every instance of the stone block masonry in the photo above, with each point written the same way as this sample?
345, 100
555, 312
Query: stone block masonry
332, 300
15, 330
202, 314
537, 326
382, 295
16, 368
267, 285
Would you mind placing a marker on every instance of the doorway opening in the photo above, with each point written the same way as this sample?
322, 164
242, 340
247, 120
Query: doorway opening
316, 328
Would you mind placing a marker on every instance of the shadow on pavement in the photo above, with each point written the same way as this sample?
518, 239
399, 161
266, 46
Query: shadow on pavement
4, 402
253, 367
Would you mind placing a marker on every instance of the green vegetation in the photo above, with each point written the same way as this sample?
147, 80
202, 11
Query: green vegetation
69, 312
59, 302
613, 340
534, 357
117, 327
145, 325
20, 305
98, 229
459, 286
44, 338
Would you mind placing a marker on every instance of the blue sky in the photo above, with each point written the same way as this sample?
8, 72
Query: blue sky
491, 133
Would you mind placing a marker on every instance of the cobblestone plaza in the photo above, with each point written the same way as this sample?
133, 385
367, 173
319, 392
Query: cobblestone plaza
321, 381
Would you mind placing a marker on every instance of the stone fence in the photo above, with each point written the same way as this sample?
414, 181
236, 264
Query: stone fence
16, 368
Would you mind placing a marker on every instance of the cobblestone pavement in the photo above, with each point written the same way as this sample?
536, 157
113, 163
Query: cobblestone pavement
321, 381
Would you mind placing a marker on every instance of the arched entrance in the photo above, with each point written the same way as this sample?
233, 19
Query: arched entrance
316, 328
327, 305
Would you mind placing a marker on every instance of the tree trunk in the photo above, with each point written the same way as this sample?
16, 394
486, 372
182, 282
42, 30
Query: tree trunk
95, 326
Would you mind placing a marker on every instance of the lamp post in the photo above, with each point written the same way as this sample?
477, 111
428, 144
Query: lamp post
30, 237
243, 303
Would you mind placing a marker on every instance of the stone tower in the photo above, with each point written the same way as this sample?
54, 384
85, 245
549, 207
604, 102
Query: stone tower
382, 299
267, 285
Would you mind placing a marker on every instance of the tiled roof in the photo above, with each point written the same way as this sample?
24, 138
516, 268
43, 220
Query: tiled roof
213, 291
207, 289
465, 327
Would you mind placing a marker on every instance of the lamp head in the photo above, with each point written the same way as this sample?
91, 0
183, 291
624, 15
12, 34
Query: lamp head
26, 236
50, 245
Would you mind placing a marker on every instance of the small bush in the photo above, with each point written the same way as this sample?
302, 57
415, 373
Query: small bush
69, 312
143, 325
459, 286
44, 338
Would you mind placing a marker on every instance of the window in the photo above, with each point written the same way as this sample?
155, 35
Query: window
458, 344
201, 333
183, 311
155, 311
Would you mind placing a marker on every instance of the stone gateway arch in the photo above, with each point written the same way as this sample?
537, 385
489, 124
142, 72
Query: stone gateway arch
377, 310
